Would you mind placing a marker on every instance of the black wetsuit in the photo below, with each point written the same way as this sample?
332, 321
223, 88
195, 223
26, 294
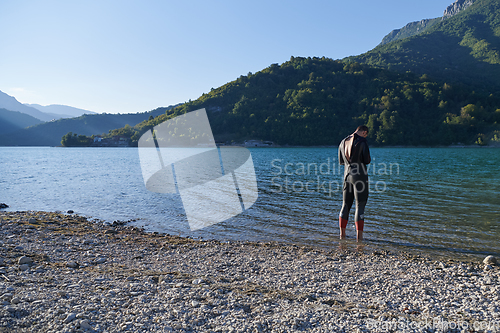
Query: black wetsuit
355, 179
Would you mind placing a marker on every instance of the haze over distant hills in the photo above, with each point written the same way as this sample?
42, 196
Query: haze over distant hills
50, 133
10, 103
27, 125
63, 111
43, 113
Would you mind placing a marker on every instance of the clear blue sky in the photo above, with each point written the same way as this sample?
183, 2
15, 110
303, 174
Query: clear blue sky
134, 56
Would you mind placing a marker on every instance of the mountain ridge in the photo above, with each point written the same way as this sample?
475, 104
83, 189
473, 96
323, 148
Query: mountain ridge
12, 104
461, 49
64, 111
50, 133
417, 27
43, 113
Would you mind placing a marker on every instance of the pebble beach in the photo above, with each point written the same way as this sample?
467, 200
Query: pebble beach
68, 273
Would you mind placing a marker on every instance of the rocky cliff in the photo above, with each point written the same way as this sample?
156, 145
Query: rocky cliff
456, 7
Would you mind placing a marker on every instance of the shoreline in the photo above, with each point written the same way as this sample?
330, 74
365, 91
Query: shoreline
369, 245
278, 146
66, 273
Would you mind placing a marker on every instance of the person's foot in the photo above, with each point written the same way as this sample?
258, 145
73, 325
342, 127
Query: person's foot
342, 233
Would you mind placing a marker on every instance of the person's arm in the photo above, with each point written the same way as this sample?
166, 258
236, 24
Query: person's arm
341, 159
366, 154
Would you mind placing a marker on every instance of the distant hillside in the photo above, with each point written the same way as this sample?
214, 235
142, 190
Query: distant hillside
418, 27
50, 133
61, 111
313, 101
11, 121
10, 103
411, 29
463, 48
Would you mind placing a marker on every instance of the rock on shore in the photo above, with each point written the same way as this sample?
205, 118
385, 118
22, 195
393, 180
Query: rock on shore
84, 276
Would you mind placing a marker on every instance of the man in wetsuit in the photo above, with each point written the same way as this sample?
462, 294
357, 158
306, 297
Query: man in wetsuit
354, 155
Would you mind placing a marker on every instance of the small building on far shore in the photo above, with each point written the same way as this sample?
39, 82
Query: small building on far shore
258, 143
115, 141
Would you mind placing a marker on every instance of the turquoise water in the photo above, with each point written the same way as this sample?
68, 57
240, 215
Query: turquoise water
442, 201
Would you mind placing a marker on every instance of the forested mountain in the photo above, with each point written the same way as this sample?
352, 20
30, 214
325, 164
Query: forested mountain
463, 48
50, 133
11, 121
313, 101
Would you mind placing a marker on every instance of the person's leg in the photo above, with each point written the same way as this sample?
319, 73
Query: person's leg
360, 219
348, 199
361, 197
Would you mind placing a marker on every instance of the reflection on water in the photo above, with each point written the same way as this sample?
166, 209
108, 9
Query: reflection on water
437, 200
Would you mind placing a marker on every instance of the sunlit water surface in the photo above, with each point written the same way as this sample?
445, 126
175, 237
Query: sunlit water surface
438, 201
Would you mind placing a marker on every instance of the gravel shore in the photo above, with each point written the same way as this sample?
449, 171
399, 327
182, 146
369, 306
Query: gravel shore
65, 273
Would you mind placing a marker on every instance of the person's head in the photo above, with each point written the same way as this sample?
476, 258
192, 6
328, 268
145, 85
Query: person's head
362, 131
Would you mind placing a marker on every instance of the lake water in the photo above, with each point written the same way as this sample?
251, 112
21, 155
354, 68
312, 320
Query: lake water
443, 201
